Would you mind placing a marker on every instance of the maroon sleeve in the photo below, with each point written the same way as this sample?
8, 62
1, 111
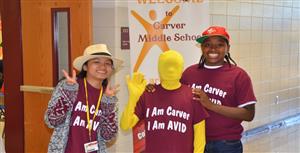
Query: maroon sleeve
109, 121
57, 114
200, 113
244, 90
60, 103
140, 107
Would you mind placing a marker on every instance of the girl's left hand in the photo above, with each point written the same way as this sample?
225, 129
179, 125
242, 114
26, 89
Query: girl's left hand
112, 90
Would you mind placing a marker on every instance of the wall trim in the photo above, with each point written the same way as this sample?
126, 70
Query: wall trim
270, 127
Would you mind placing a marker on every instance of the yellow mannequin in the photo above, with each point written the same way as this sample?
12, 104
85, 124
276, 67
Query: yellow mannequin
170, 68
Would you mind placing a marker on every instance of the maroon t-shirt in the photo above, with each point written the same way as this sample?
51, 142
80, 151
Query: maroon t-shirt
227, 86
169, 117
79, 134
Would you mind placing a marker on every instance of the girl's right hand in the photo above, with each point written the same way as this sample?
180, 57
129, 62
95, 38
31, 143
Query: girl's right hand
71, 80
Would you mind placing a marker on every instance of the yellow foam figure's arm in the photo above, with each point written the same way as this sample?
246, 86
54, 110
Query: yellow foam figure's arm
199, 137
136, 87
128, 118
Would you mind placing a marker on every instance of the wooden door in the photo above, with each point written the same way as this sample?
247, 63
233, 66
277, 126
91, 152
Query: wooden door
36, 67
12, 59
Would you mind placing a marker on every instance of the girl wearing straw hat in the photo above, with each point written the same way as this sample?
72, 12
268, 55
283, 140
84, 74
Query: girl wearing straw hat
82, 109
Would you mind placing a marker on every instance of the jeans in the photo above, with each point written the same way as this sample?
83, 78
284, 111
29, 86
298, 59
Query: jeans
224, 146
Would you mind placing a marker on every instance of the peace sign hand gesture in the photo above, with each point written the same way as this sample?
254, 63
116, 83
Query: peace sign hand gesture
71, 80
111, 90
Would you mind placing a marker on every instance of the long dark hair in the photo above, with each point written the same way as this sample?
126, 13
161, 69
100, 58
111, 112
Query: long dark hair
227, 56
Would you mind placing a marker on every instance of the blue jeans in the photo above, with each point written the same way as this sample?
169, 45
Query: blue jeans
224, 146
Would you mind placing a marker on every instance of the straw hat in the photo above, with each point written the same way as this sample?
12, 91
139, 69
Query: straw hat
94, 51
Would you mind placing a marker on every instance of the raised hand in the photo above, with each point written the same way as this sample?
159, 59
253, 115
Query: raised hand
202, 97
70, 79
111, 90
136, 85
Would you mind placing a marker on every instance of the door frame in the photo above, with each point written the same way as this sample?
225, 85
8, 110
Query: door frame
13, 72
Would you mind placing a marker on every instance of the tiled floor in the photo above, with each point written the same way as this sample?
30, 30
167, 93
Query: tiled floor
286, 140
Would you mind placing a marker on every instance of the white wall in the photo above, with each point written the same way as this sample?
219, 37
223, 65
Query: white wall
108, 18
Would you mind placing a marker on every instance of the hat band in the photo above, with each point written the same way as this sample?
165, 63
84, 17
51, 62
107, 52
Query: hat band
101, 54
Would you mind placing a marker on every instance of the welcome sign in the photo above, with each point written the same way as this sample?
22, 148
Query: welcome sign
159, 25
